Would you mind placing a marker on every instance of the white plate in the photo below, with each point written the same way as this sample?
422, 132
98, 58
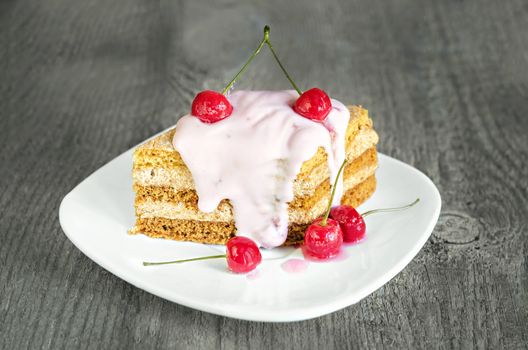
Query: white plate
97, 213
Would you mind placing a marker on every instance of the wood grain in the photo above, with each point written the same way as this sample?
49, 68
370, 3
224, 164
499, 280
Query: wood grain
445, 81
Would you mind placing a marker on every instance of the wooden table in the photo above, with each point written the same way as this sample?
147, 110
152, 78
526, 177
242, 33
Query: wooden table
446, 83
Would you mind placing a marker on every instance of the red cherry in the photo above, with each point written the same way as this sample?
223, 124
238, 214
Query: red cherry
350, 221
243, 255
322, 242
313, 104
211, 106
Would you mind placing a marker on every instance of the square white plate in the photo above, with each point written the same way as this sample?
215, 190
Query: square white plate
97, 213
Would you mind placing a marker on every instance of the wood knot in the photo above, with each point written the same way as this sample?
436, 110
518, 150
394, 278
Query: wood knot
457, 228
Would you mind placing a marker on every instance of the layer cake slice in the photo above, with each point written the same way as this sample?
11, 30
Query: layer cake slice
166, 201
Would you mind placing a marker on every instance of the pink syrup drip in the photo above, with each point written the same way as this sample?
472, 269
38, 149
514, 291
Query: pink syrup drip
252, 158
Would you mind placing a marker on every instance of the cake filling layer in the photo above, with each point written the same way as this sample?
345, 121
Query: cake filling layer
183, 205
252, 158
218, 232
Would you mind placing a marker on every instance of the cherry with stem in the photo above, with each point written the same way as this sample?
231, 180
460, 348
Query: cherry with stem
242, 255
268, 42
323, 238
314, 104
211, 106
353, 224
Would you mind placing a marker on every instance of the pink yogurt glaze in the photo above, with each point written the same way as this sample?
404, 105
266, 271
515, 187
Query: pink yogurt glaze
253, 156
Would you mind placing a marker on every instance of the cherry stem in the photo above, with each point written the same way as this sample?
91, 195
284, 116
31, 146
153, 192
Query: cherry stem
384, 210
266, 39
146, 263
325, 217
255, 53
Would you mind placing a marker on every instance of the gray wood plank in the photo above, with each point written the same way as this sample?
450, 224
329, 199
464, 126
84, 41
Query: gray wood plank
446, 83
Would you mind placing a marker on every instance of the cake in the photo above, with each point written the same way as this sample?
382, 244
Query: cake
270, 171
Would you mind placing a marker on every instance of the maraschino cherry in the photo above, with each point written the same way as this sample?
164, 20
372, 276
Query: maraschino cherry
242, 255
353, 224
323, 238
350, 221
313, 104
211, 106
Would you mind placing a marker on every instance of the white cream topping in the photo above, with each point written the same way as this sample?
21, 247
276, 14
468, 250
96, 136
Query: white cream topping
253, 157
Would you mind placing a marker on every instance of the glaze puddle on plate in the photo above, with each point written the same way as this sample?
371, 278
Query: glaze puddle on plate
295, 265
253, 275
97, 213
